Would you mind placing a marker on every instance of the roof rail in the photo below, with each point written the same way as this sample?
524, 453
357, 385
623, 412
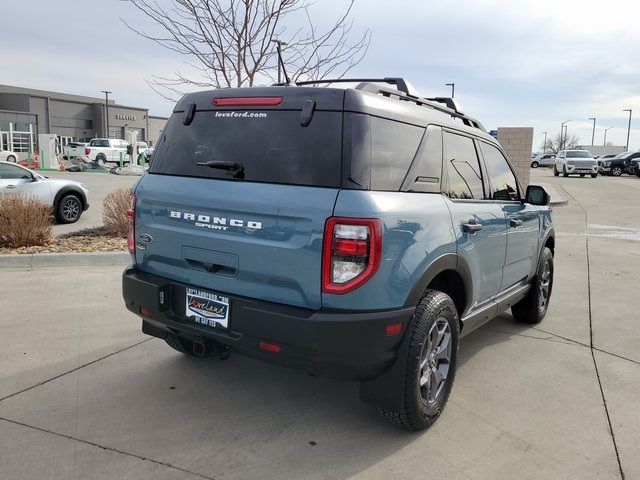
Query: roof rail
450, 107
400, 83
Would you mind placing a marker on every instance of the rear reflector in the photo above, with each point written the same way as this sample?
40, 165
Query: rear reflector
247, 102
145, 312
268, 347
394, 329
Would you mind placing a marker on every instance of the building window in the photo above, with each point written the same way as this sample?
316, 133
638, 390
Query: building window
79, 123
18, 137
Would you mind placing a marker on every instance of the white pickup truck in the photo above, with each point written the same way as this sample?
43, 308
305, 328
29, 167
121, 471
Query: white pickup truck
104, 150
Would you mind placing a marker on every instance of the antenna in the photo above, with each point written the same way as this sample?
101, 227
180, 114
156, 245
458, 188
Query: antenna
279, 44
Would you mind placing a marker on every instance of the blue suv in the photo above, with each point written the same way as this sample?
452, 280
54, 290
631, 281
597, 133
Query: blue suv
355, 233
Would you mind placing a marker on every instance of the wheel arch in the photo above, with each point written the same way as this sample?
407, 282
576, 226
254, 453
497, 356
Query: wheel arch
66, 191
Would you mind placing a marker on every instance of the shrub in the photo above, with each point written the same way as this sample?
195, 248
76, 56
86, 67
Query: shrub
114, 212
24, 221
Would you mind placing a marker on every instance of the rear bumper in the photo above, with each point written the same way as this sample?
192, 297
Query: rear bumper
339, 344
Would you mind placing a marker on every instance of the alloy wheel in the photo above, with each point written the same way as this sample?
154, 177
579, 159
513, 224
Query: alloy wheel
545, 287
435, 361
70, 209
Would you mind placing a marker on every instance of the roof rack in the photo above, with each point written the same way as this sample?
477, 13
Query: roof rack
400, 83
442, 104
403, 91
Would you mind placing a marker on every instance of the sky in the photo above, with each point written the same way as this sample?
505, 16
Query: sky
515, 63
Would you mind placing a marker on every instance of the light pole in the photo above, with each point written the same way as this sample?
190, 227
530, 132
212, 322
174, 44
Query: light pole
593, 132
453, 88
544, 145
629, 127
605, 136
106, 107
562, 134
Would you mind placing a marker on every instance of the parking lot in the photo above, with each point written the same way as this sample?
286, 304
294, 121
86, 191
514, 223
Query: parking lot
84, 394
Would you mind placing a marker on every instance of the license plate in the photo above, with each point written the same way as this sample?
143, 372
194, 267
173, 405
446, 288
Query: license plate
207, 308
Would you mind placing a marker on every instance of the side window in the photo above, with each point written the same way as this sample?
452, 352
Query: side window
463, 168
393, 146
11, 172
426, 170
503, 182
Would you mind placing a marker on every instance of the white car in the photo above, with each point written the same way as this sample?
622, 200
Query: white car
8, 156
543, 160
575, 162
104, 150
67, 197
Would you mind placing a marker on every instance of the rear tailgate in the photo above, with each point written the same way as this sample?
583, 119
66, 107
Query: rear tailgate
257, 234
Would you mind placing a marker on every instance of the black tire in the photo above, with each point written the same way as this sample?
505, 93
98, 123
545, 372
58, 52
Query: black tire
616, 171
535, 164
69, 209
582, 175
11, 158
555, 172
533, 308
435, 314
594, 175
182, 345
564, 172
101, 159
638, 174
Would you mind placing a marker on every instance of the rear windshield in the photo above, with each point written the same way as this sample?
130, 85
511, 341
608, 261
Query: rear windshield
272, 146
579, 154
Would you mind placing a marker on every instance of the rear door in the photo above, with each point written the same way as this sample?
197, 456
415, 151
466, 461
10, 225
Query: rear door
254, 229
479, 224
523, 220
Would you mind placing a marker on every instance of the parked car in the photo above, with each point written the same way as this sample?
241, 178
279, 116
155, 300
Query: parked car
619, 164
575, 162
67, 197
602, 158
104, 150
8, 156
634, 167
543, 160
354, 233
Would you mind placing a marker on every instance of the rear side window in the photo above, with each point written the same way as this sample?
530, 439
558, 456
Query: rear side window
393, 146
463, 168
271, 146
503, 182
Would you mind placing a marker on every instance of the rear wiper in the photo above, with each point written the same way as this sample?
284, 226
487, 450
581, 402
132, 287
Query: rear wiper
236, 167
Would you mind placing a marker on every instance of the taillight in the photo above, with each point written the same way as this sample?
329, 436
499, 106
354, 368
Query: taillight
351, 253
131, 220
87, 151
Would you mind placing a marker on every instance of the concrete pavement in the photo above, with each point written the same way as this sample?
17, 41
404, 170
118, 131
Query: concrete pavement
85, 395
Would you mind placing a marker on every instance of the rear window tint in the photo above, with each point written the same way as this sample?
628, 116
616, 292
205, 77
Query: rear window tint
271, 145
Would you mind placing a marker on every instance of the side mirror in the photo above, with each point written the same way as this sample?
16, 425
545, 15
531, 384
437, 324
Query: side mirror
536, 195
34, 178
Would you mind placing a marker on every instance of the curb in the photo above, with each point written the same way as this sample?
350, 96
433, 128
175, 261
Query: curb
64, 259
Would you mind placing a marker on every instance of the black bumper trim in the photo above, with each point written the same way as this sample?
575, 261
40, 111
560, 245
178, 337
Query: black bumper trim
339, 344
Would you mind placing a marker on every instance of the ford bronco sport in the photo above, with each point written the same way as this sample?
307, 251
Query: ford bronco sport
355, 233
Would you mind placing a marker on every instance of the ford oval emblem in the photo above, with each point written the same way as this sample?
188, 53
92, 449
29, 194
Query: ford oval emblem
146, 238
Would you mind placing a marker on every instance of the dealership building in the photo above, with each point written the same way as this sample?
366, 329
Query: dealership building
25, 113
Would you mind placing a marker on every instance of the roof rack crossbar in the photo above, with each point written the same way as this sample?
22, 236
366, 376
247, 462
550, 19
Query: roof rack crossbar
442, 104
400, 83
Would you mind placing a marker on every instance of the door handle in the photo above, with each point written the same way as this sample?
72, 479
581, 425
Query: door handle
471, 227
515, 223
10, 186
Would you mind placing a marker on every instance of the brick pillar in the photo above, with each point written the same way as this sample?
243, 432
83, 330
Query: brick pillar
517, 143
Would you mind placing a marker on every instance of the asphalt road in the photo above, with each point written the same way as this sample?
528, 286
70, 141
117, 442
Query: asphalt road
99, 184
85, 395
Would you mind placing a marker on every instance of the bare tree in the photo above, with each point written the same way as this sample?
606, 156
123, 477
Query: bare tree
230, 43
557, 143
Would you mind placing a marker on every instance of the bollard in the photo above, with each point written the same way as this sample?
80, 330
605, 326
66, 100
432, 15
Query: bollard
121, 159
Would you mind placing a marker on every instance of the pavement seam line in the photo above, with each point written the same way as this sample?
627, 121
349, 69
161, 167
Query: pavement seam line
73, 370
109, 449
591, 347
